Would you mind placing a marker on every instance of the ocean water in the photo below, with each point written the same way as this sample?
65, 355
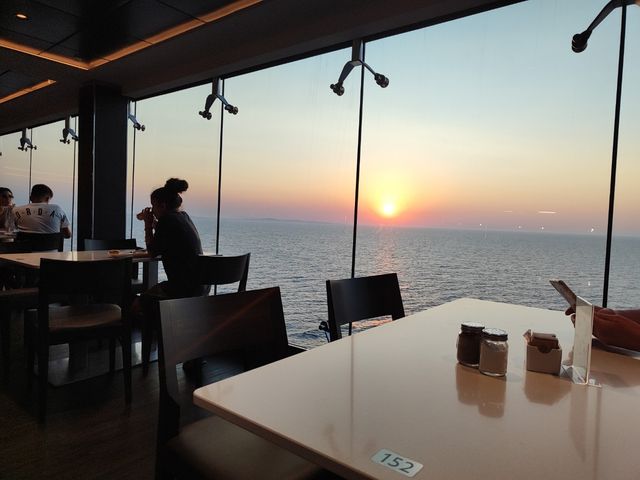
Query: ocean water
434, 266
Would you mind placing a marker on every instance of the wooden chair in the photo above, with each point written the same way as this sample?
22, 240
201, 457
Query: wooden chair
87, 284
213, 271
224, 270
355, 299
10, 301
39, 242
137, 286
251, 322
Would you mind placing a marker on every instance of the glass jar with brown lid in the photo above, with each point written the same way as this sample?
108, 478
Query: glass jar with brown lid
469, 343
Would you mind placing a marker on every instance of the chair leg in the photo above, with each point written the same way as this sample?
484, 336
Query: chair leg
5, 334
30, 350
147, 339
43, 380
125, 342
112, 355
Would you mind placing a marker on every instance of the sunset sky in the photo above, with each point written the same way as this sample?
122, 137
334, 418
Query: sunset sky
490, 122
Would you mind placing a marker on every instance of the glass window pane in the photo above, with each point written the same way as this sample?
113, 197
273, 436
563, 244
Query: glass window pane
624, 276
53, 165
486, 161
288, 183
177, 142
14, 167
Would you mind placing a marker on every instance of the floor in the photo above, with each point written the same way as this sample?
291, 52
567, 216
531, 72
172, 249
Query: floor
90, 433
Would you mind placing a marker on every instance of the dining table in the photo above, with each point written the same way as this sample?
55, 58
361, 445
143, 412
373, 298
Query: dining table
392, 402
31, 260
73, 365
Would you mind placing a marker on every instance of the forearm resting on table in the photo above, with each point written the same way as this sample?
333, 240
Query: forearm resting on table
620, 328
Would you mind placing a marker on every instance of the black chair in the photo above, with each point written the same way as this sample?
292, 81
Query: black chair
39, 242
250, 322
137, 285
12, 300
224, 270
86, 285
212, 271
355, 299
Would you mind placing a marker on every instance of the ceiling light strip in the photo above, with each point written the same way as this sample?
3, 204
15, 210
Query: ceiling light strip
24, 91
18, 47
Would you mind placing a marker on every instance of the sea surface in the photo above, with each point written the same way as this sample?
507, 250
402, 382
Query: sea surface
434, 266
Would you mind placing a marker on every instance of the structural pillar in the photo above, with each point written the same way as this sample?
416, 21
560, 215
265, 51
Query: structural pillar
102, 163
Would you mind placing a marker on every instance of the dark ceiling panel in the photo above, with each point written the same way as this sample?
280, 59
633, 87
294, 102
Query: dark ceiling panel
196, 7
32, 42
44, 23
144, 18
11, 82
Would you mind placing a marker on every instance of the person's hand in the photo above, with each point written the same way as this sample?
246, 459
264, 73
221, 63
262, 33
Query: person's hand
572, 312
146, 214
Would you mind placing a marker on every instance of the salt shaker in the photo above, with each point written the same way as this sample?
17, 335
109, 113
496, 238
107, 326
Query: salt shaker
494, 352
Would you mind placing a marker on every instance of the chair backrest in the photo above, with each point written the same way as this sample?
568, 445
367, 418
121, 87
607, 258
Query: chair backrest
251, 322
99, 278
111, 244
222, 270
39, 242
354, 299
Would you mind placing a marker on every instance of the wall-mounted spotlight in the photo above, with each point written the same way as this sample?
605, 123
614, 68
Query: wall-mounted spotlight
216, 92
357, 59
579, 40
25, 142
67, 132
136, 124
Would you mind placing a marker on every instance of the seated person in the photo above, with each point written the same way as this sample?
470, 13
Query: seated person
7, 220
169, 232
618, 328
40, 216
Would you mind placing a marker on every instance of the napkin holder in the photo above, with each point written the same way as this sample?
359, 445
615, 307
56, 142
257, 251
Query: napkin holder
544, 354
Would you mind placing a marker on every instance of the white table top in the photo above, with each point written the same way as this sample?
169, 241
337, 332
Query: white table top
398, 387
32, 259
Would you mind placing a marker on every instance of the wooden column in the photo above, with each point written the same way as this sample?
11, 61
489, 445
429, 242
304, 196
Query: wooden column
102, 163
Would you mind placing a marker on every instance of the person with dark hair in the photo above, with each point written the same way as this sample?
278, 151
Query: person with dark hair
170, 233
7, 220
40, 216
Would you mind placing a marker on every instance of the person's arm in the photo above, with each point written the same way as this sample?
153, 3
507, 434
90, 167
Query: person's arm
65, 226
618, 328
66, 232
149, 230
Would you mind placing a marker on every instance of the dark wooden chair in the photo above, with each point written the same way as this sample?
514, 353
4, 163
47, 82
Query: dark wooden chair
224, 270
39, 242
13, 300
354, 299
213, 270
250, 322
137, 285
88, 315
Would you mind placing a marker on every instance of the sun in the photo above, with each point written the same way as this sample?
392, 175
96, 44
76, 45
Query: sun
389, 209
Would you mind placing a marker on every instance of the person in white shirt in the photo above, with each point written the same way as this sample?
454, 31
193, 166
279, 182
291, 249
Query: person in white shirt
40, 216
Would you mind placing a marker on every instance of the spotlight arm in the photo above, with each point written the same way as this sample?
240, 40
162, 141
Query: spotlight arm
68, 131
25, 142
357, 59
216, 92
136, 124
579, 41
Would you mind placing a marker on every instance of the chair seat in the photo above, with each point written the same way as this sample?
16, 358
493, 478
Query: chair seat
216, 449
78, 317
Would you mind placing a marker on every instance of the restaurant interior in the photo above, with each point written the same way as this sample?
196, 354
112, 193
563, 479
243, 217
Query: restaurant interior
92, 93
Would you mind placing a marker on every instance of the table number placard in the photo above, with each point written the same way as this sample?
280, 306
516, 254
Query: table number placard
397, 463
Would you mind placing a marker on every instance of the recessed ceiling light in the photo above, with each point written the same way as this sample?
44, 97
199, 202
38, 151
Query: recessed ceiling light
22, 16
